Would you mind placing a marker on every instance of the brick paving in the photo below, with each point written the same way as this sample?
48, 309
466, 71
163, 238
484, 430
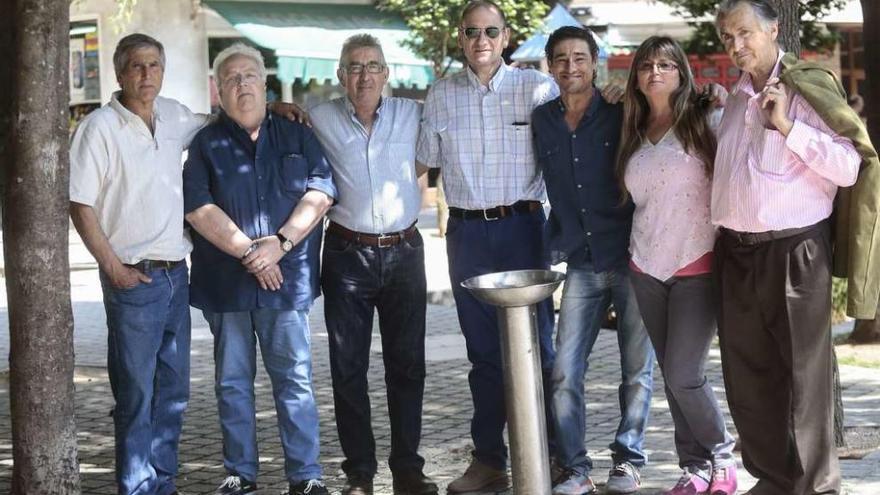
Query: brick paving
445, 440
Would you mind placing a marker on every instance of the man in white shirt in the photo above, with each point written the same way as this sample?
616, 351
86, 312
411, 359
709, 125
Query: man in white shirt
127, 205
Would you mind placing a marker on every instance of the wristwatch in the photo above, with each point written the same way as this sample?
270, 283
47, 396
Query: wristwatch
286, 244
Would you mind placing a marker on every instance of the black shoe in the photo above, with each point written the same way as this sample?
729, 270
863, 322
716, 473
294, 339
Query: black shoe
413, 482
358, 484
235, 485
309, 487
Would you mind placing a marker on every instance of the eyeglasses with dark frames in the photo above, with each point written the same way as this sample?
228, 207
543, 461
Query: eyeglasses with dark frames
369, 68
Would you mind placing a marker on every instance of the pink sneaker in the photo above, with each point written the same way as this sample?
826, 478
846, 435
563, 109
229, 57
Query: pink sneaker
689, 484
723, 481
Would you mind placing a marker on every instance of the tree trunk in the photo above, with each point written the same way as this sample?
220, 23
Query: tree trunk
866, 331
789, 25
35, 229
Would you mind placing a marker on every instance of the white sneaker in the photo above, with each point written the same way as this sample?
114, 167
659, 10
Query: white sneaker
623, 478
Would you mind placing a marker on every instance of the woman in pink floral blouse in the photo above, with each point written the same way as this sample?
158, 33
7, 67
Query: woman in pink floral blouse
665, 164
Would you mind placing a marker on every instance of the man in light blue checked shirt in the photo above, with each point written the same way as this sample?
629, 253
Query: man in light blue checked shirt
476, 128
374, 260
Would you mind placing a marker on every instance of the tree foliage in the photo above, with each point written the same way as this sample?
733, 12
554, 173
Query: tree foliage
699, 13
434, 25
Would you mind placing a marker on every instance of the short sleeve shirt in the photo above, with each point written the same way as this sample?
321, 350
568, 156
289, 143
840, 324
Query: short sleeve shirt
375, 173
132, 177
258, 185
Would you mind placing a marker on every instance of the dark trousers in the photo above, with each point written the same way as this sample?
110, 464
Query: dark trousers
357, 279
477, 247
774, 326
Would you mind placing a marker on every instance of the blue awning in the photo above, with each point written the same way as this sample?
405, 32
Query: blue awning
307, 38
533, 48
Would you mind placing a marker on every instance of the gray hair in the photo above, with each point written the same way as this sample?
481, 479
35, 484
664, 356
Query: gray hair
238, 50
762, 9
356, 41
133, 42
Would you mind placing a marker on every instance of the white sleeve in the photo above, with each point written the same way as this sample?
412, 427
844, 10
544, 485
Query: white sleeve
89, 162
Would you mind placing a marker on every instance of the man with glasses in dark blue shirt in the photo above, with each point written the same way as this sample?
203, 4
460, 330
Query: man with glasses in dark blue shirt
576, 137
255, 188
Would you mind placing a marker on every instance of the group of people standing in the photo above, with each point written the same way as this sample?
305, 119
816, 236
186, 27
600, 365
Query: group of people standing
681, 207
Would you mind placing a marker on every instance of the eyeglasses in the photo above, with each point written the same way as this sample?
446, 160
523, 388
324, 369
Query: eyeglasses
369, 67
663, 67
474, 32
250, 79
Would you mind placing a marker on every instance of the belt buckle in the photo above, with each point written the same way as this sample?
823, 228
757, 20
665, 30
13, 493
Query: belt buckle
383, 237
491, 219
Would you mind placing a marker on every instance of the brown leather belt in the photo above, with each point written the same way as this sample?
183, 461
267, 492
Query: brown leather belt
752, 238
374, 240
150, 265
518, 208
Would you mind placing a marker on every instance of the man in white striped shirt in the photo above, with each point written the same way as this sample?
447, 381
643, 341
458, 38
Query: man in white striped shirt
374, 260
476, 128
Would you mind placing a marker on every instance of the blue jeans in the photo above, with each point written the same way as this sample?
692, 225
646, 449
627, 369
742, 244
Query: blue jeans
477, 247
285, 344
585, 299
359, 280
148, 342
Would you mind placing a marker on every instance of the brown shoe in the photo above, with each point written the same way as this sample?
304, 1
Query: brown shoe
358, 484
480, 477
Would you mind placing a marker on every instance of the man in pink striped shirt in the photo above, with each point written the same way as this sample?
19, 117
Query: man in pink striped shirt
777, 170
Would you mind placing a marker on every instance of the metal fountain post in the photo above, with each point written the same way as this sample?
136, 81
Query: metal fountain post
516, 294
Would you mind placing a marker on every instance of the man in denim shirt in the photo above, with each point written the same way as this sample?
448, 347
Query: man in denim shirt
576, 137
255, 188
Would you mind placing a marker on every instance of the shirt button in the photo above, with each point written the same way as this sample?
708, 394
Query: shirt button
589, 234
574, 136
576, 159
583, 210
580, 186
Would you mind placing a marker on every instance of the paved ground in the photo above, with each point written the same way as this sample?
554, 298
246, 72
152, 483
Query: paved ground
445, 441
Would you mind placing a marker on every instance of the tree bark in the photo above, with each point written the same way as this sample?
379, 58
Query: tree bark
866, 331
35, 231
789, 25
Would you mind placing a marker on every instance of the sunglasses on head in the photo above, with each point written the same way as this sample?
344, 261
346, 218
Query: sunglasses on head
474, 32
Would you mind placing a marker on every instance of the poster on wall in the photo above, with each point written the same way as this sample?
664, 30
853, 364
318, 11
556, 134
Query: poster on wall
77, 71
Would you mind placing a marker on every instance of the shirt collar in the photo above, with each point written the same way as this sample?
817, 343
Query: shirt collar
745, 80
591, 109
349, 106
494, 83
233, 127
126, 116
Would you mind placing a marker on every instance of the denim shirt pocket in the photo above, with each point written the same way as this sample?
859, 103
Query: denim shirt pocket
546, 155
294, 173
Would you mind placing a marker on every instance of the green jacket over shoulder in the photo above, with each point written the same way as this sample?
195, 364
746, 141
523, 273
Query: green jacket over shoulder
856, 215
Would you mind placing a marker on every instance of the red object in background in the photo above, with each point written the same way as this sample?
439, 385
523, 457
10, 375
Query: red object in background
717, 68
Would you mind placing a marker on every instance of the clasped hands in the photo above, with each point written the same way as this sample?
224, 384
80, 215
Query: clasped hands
262, 262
